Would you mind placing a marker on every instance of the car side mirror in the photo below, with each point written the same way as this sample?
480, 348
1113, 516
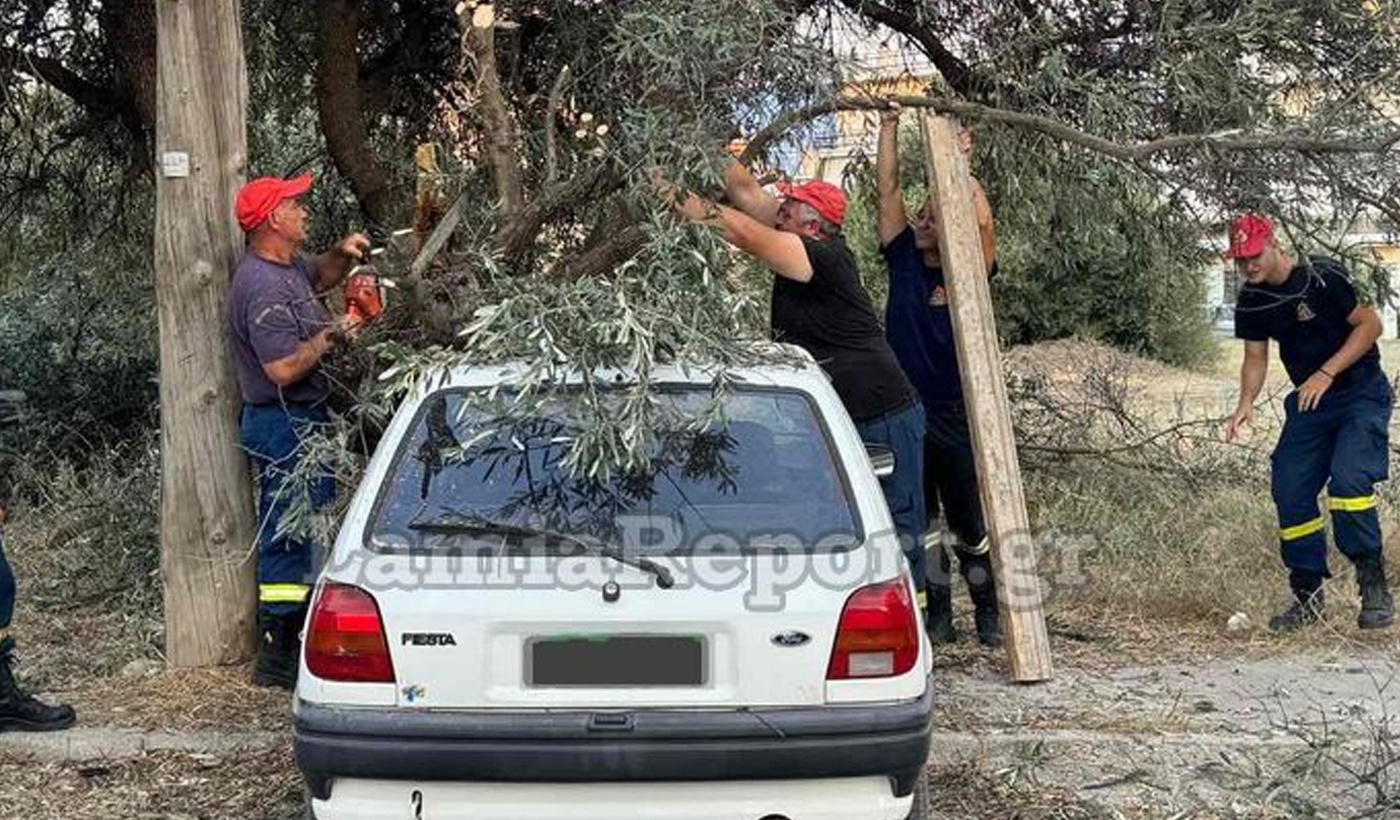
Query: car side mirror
881, 459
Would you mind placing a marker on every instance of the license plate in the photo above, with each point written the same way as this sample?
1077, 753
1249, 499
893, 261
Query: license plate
615, 660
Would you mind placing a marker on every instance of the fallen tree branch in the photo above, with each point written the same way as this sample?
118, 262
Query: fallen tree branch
607, 255
518, 233
1134, 153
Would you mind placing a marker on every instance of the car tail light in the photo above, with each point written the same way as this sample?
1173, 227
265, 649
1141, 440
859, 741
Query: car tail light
878, 636
345, 640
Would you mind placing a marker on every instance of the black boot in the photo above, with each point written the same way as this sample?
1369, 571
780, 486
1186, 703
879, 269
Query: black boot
982, 588
938, 620
1377, 606
279, 649
20, 712
1306, 608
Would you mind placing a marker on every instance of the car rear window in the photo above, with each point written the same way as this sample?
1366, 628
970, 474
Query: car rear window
763, 478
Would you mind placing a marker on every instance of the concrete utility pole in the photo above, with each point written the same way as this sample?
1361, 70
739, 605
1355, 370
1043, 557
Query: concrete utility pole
207, 526
989, 413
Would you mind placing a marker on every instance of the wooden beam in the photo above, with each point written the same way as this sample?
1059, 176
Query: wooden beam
989, 414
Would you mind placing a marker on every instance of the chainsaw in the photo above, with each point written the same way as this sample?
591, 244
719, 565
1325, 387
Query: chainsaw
366, 289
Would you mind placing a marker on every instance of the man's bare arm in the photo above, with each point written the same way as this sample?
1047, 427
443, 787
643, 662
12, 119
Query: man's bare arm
1252, 372
292, 369
783, 252
892, 219
331, 267
742, 189
1365, 330
986, 229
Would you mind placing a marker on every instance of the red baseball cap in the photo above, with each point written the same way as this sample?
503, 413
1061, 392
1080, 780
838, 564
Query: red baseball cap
1248, 236
258, 198
825, 198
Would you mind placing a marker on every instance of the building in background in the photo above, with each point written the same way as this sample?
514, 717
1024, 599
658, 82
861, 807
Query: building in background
884, 64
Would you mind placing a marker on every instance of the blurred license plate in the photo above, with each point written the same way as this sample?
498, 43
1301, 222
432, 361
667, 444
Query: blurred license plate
615, 660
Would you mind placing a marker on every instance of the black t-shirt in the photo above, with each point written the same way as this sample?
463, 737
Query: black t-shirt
831, 317
1307, 315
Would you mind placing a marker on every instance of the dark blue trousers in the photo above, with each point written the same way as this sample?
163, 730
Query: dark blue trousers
7, 589
273, 436
1344, 445
903, 432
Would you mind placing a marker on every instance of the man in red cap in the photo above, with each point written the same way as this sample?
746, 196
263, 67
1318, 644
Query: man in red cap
819, 305
281, 331
1335, 432
919, 327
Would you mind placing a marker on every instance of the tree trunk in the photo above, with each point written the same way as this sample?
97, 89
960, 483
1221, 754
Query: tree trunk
340, 109
207, 527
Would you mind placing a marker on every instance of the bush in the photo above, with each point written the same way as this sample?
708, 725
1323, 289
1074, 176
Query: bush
78, 336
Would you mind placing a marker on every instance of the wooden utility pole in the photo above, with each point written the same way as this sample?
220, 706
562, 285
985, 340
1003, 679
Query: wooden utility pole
989, 414
207, 527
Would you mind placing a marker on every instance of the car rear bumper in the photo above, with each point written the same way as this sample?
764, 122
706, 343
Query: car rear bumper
859, 798
808, 743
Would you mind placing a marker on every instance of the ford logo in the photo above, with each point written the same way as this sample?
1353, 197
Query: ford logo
791, 638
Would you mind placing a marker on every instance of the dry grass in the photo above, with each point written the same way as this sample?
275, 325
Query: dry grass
163, 786
1176, 529
185, 700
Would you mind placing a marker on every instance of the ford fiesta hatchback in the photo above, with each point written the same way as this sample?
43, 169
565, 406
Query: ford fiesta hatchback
727, 630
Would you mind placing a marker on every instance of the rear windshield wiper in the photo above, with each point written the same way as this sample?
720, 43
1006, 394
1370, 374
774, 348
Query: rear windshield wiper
487, 526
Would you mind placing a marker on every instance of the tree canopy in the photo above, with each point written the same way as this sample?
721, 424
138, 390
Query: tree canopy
1114, 135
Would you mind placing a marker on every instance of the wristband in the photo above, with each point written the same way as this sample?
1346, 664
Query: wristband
1324, 372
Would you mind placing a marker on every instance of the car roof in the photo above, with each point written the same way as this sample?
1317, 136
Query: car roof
774, 364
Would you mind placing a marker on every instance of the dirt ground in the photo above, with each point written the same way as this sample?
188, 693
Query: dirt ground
1156, 710
1217, 727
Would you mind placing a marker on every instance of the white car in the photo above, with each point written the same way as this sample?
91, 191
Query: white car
729, 632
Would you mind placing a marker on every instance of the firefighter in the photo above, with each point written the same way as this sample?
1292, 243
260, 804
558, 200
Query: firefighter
1335, 434
920, 330
18, 710
281, 332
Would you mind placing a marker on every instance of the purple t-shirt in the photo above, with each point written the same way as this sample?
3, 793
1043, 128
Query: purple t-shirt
271, 310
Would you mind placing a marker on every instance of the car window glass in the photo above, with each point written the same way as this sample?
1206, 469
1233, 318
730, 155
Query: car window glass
764, 476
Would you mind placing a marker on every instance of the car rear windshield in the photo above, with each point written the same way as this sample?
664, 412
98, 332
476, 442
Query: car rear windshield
764, 478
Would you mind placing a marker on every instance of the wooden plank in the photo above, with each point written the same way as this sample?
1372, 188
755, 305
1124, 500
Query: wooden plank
207, 527
989, 414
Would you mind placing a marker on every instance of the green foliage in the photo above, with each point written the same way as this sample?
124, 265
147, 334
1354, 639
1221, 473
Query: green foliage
78, 336
1086, 247
663, 306
1090, 248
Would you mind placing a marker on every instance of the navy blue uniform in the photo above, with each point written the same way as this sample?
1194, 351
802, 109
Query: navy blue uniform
7, 591
920, 330
1342, 444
